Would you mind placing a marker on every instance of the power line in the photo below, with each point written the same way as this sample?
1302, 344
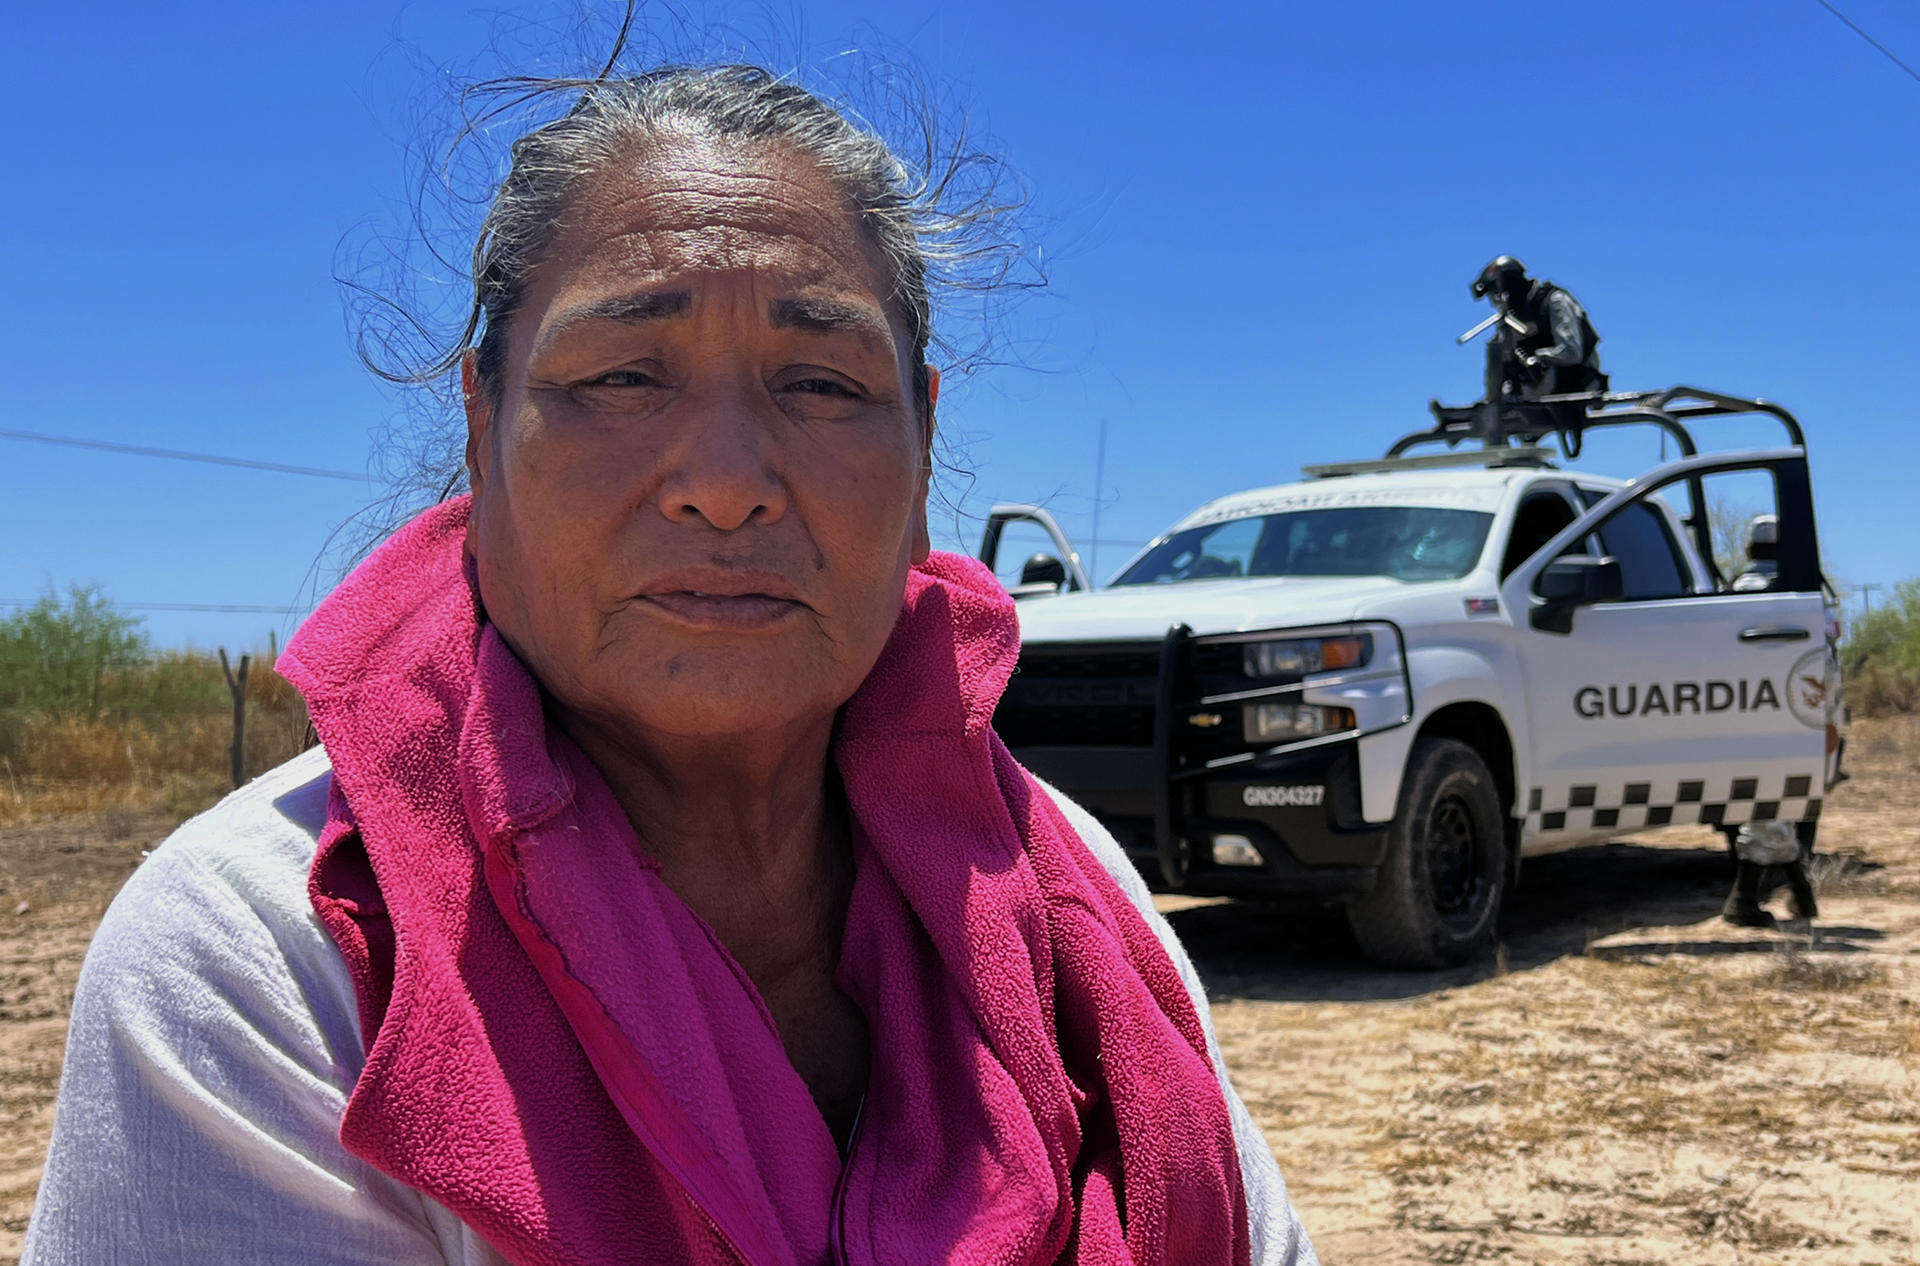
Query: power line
211, 459
1855, 27
220, 608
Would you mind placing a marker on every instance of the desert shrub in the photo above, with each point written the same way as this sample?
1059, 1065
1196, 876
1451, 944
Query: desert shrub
92, 717
62, 655
1881, 656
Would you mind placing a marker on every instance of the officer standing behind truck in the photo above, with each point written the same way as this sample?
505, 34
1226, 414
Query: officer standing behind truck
1557, 354
1760, 845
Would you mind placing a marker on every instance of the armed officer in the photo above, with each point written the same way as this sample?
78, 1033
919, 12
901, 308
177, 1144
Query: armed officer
1546, 346
1762, 850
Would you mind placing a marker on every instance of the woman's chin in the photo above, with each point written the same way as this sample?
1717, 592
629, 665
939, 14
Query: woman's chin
701, 698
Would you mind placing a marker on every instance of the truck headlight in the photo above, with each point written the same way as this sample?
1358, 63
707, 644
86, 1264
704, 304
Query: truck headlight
1297, 657
1284, 722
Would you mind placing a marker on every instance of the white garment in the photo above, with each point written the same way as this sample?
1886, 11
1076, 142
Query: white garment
215, 1039
1767, 843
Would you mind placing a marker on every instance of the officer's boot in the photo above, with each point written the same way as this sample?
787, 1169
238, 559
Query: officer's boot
1743, 903
1802, 903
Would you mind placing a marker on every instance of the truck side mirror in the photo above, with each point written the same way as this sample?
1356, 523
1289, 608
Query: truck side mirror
1043, 569
1577, 580
1041, 576
1043, 573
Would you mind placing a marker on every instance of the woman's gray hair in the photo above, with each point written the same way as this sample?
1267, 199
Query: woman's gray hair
932, 219
898, 207
942, 213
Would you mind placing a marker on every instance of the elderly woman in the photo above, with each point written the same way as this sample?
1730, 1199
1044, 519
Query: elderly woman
661, 893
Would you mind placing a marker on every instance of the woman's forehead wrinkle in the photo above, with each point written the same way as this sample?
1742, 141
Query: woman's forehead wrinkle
696, 207
753, 225
704, 234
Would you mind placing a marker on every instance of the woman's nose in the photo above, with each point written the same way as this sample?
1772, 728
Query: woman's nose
724, 471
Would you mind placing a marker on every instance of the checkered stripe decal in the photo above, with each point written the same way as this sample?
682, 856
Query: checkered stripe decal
1638, 805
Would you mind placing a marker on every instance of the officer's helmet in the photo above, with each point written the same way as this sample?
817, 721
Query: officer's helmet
1503, 276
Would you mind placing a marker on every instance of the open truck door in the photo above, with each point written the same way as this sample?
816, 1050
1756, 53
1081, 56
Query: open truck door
1659, 693
1042, 574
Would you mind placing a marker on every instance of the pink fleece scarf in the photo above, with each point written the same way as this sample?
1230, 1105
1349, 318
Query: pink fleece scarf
565, 1056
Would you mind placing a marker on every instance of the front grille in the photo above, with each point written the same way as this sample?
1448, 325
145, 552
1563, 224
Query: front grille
1081, 695
1222, 662
1219, 669
1101, 694
1196, 745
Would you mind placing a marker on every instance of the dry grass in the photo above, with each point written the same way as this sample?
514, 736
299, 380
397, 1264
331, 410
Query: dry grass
1884, 745
1801, 972
1657, 1056
1876, 690
1848, 874
161, 749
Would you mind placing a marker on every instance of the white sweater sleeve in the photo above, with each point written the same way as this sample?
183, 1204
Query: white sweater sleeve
213, 1042
1278, 1238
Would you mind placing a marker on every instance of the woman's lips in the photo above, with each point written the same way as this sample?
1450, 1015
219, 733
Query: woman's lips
723, 610
721, 597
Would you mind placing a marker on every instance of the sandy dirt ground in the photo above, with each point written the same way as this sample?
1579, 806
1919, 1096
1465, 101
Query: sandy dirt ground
1631, 1081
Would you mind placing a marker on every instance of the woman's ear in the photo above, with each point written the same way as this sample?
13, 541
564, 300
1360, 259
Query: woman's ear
479, 406
922, 540
922, 544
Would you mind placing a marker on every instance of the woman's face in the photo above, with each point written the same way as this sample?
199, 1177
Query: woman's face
704, 479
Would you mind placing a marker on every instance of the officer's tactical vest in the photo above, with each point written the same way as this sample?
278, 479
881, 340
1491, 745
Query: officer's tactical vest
1534, 312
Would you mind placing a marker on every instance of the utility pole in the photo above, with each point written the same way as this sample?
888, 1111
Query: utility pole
1866, 597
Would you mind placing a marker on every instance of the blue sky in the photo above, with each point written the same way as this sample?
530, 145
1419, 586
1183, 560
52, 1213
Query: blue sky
1259, 223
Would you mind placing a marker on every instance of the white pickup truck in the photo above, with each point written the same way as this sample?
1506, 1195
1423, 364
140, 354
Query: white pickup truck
1387, 684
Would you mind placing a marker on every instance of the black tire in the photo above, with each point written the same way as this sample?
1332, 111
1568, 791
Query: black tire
1438, 896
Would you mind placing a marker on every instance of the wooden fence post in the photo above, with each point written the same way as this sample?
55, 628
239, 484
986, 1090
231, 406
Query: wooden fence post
237, 687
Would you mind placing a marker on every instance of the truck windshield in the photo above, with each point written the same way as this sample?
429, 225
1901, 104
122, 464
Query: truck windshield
1404, 542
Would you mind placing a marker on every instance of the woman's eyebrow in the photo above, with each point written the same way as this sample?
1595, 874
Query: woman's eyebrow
829, 316
632, 309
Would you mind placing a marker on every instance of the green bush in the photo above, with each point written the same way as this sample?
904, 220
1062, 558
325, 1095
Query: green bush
91, 714
1881, 656
61, 656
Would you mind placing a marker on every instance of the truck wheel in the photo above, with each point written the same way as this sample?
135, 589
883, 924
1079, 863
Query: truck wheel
1439, 890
